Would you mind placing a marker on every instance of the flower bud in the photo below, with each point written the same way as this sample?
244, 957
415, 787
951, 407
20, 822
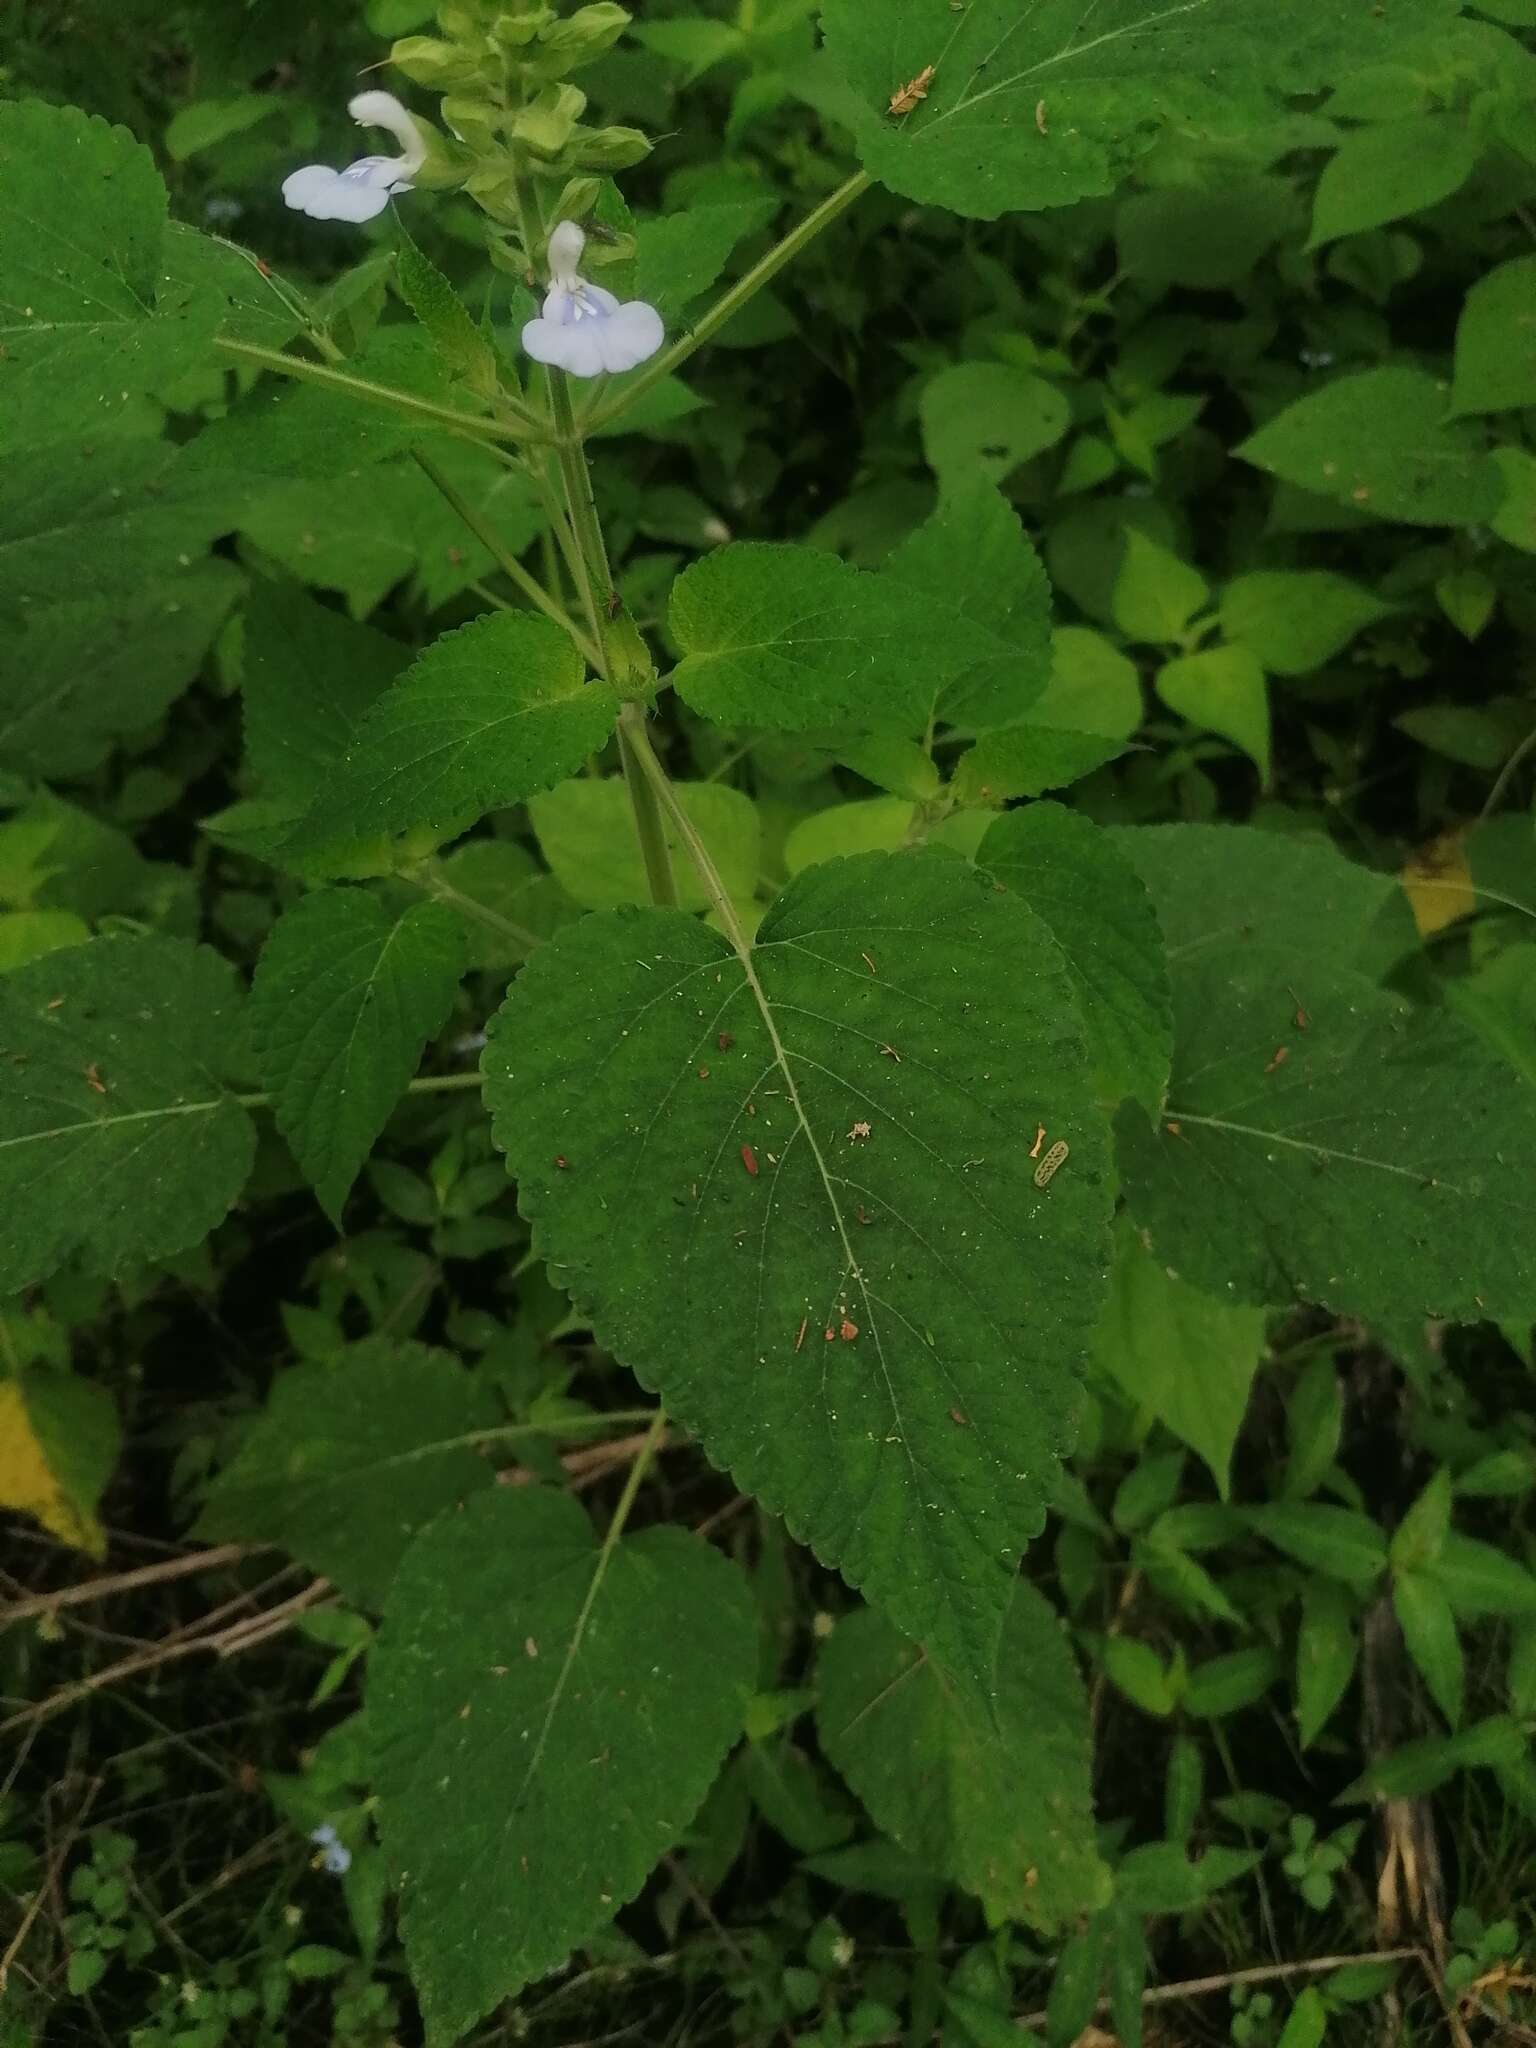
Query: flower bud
581, 39
547, 123
578, 199
609, 246
607, 149
517, 31
472, 121
494, 189
426, 61
446, 163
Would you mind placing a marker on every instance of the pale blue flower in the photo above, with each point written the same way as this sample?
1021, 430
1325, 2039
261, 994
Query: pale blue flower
583, 330
364, 188
335, 1856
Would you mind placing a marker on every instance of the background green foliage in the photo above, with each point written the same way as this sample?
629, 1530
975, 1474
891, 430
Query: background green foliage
1155, 437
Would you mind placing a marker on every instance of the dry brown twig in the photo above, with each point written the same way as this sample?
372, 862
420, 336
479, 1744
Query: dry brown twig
125, 1582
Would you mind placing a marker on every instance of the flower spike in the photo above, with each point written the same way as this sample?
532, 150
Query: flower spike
364, 188
583, 330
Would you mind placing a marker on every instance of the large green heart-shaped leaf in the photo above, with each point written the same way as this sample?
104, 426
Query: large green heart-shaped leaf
87, 668
88, 324
547, 1716
1322, 1140
118, 1140
1356, 1152
344, 999
482, 719
353, 1457
1001, 1802
972, 556
793, 1188
1037, 105
793, 638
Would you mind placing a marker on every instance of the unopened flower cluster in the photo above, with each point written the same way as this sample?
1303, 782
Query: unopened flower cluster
517, 130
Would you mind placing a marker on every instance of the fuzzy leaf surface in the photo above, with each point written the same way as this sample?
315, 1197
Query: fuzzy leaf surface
1375, 1161
791, 1190
1035, 106
1184, 1355
118, 1140
351, 1458
345, 997
972, 556
1079, 883
1003, 1802
88, 325
89, 668
547, 1717
792, 638
482, 719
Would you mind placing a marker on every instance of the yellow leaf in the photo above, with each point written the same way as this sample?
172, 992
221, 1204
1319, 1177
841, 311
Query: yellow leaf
1437, 881
58, 1443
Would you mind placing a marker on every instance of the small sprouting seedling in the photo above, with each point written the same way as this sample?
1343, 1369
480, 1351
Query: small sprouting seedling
107, 1922
1312, 1865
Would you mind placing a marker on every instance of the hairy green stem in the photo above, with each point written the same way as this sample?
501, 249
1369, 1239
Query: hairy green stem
428, 1084
732, 301
632, 730
447, 418
650, 827
429, 876
595, 581
591, 553
503, 556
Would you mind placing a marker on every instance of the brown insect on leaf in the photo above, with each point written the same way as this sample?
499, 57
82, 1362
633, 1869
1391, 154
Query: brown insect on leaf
1302, 1019
1282, 1054
847, 1331
561, 1161
913, 93
749, 1160
1174, 1130
93, 1079
615, 604
724, 1040
958, 1419
1053, 1161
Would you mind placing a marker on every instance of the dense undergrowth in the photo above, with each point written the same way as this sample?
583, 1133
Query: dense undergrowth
1262, 406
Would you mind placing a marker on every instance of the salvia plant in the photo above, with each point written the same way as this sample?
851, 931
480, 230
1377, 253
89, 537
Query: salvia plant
849, 1146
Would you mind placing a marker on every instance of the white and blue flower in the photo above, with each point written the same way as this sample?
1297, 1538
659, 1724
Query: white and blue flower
584, 330
335, 1856
364, 188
